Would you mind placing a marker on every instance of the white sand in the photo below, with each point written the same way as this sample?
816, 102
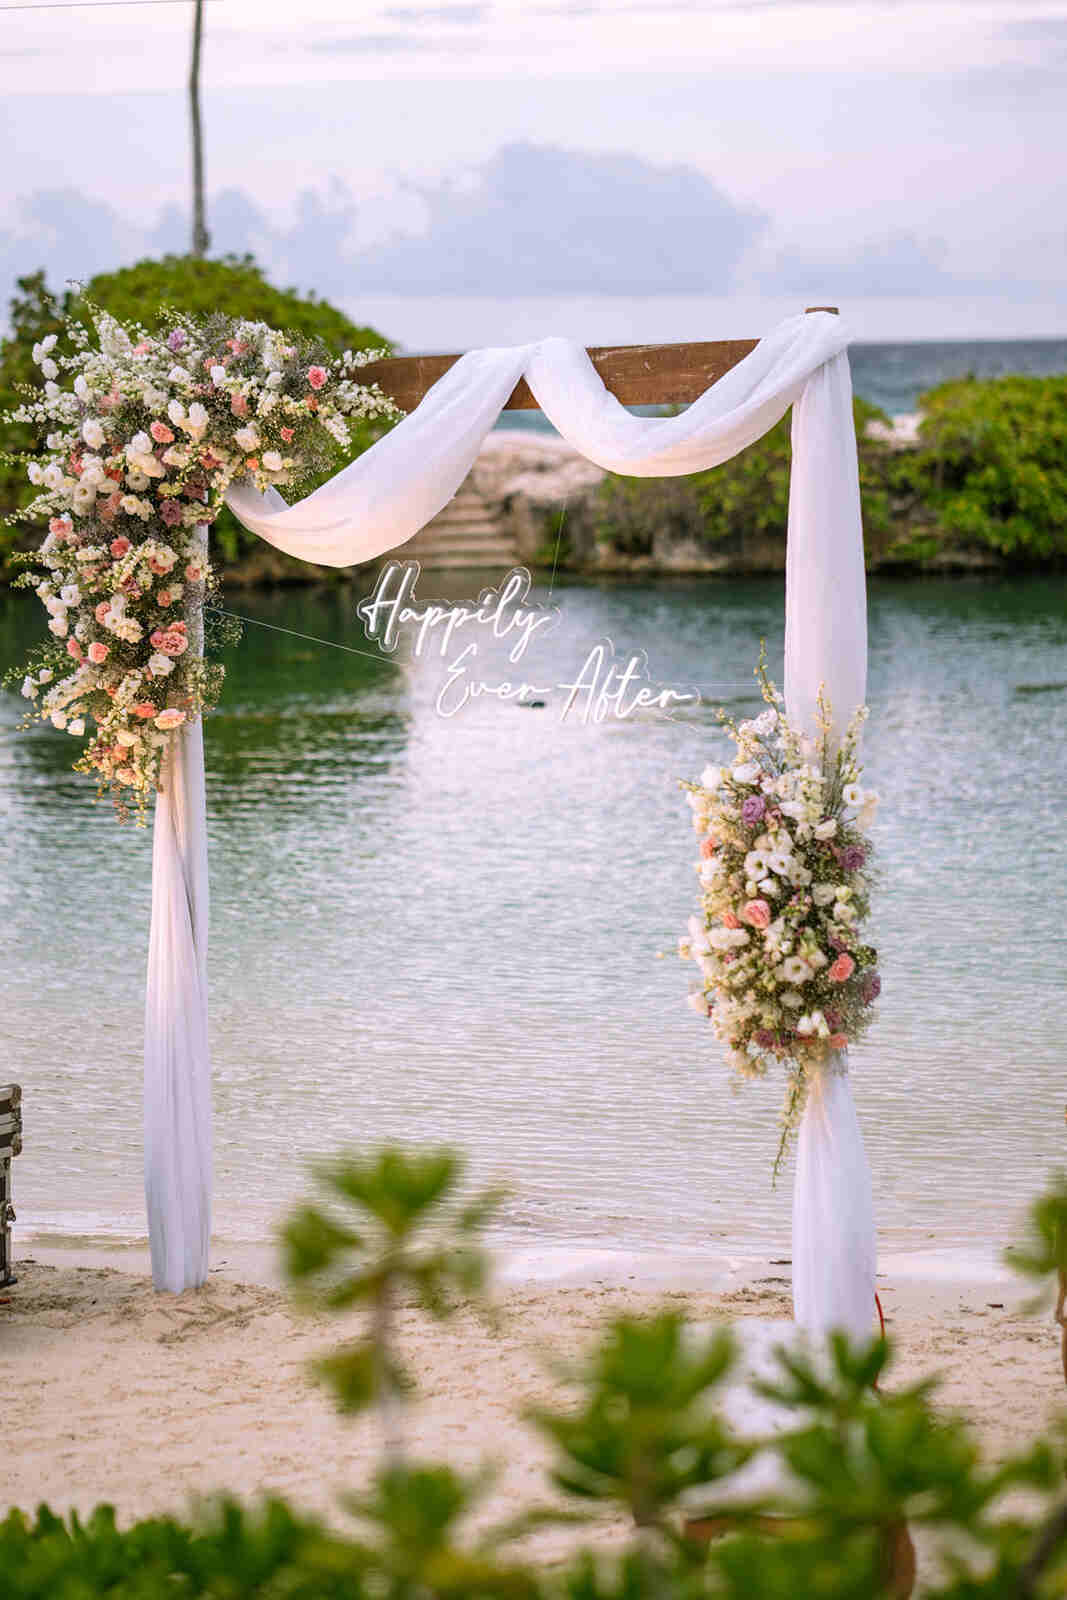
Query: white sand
112, 1392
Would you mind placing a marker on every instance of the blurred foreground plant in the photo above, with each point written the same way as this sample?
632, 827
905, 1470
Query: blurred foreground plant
841, 1475
412, 1236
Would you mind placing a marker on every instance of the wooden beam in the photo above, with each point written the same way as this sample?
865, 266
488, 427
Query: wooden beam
636, 374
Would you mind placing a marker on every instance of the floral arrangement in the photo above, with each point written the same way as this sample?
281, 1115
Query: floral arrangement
143, 436
785, 879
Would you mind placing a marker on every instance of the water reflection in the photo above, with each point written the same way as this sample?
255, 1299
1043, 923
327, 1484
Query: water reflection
447, 929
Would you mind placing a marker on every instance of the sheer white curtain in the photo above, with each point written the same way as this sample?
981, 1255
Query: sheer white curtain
383, 499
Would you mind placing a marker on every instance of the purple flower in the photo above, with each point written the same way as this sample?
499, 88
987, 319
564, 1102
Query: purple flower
752, 809
171, 513
870, 988
764, 1038
851, 857
175, 339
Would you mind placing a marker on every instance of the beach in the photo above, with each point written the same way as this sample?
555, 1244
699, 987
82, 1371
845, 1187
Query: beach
154, 1402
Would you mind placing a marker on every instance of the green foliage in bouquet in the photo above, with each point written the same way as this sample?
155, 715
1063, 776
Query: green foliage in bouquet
233, 286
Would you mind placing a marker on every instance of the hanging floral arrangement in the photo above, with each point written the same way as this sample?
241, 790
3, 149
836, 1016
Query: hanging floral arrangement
144, 433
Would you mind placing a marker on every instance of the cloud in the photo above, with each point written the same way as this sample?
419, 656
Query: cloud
541, 220
898, 264
1034, 28
462, 14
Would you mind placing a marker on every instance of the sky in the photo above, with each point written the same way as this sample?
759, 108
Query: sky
488, 171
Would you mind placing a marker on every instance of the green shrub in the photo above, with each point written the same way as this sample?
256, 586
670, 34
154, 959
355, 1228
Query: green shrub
991, 467
727, 509
234, 285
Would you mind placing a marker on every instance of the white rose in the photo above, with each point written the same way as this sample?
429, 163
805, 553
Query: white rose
246, 439
826, 829
790, 998
59, 627
139, 445
77, 727
745, 772
70, 594
218, 376
81, 387
92, 433
49, 369
59, 719
711, 777
34, 473
126, 738
272, 461
45, 675
176, 411
823, 893
160, 665
197, 420
29, 688
52, 477
274, 380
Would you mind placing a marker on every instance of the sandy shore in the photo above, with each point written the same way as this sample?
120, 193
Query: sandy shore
112, 1392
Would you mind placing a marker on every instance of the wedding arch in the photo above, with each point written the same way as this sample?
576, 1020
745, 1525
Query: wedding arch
377, 503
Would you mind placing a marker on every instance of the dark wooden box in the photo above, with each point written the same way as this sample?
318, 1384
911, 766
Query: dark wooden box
10, 1146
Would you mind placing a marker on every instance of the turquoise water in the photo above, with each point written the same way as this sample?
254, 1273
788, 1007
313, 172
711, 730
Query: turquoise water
446, 929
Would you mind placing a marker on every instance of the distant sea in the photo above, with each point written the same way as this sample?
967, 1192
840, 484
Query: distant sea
893, 376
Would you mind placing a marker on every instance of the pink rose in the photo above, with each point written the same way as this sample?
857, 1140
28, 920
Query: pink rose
101, 611
757, 913
729, 920
708, 847
239, 405
142, 348
98, 652
125, 775
171, 718
194, 572
287, 434
74, 649
842, 969
171, 640
119, 548
252, 463
161, 433
144, 709
316, 377
60, 526
163, 597
171, 512
838, 1041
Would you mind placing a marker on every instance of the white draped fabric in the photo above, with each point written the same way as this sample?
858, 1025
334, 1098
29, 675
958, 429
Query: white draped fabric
383, 499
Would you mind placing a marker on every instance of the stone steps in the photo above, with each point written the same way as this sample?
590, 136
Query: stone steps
466, 533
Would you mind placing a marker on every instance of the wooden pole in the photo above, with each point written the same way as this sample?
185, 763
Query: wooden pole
636, 374
201, 238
